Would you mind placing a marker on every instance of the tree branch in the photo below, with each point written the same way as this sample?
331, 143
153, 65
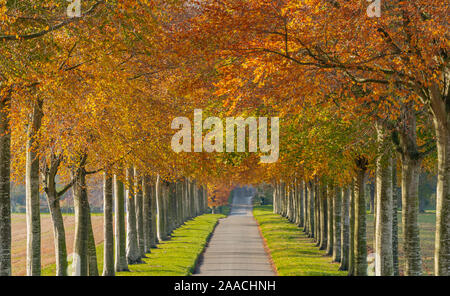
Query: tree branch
51, 28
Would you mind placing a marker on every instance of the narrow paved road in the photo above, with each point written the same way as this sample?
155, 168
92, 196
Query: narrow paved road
236, 247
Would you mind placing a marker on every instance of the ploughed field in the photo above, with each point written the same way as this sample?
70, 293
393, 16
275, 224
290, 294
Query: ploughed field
19, 239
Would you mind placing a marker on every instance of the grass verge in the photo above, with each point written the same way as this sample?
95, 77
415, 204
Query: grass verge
175, 257
293, 253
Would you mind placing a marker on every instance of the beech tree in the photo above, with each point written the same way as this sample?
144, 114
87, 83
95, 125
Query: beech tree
96, 94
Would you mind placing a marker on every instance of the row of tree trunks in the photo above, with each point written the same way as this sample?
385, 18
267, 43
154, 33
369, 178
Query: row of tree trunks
148, 203
294, 206
335, 218
326, 213
143, 209
145, 206
159, 206
323, 212
176, 203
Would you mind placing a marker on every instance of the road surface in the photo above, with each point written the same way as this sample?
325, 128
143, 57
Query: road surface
236, 247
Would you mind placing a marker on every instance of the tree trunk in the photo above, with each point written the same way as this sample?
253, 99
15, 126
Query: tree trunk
323, 217
166, 209
372, 190
330, 219
384, 265
293, 196
170, 206
179, 193
315, 209
92, 254
33, 214
305, 208
188, 198
288, 201
410, 216
49, 175
337, 204
360, 240
80, 249
372, 198
311, 204
440, 107
283, 199
121, 263
59, 234
108, 232
295, 217
395, 220
411, 161
154, 215
192, 198
345, 233
5, 183
147, 214
160, 195
133, 253
301, 203
351, 254
174, 198
139, 213
275, 197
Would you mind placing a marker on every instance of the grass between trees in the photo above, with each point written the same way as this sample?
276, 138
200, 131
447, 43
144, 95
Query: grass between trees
174, 257
293, 253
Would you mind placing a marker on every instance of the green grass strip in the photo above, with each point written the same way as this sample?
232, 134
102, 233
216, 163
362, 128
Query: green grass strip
293, 253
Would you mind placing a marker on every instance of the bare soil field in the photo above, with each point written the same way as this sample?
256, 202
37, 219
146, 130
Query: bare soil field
19, 239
